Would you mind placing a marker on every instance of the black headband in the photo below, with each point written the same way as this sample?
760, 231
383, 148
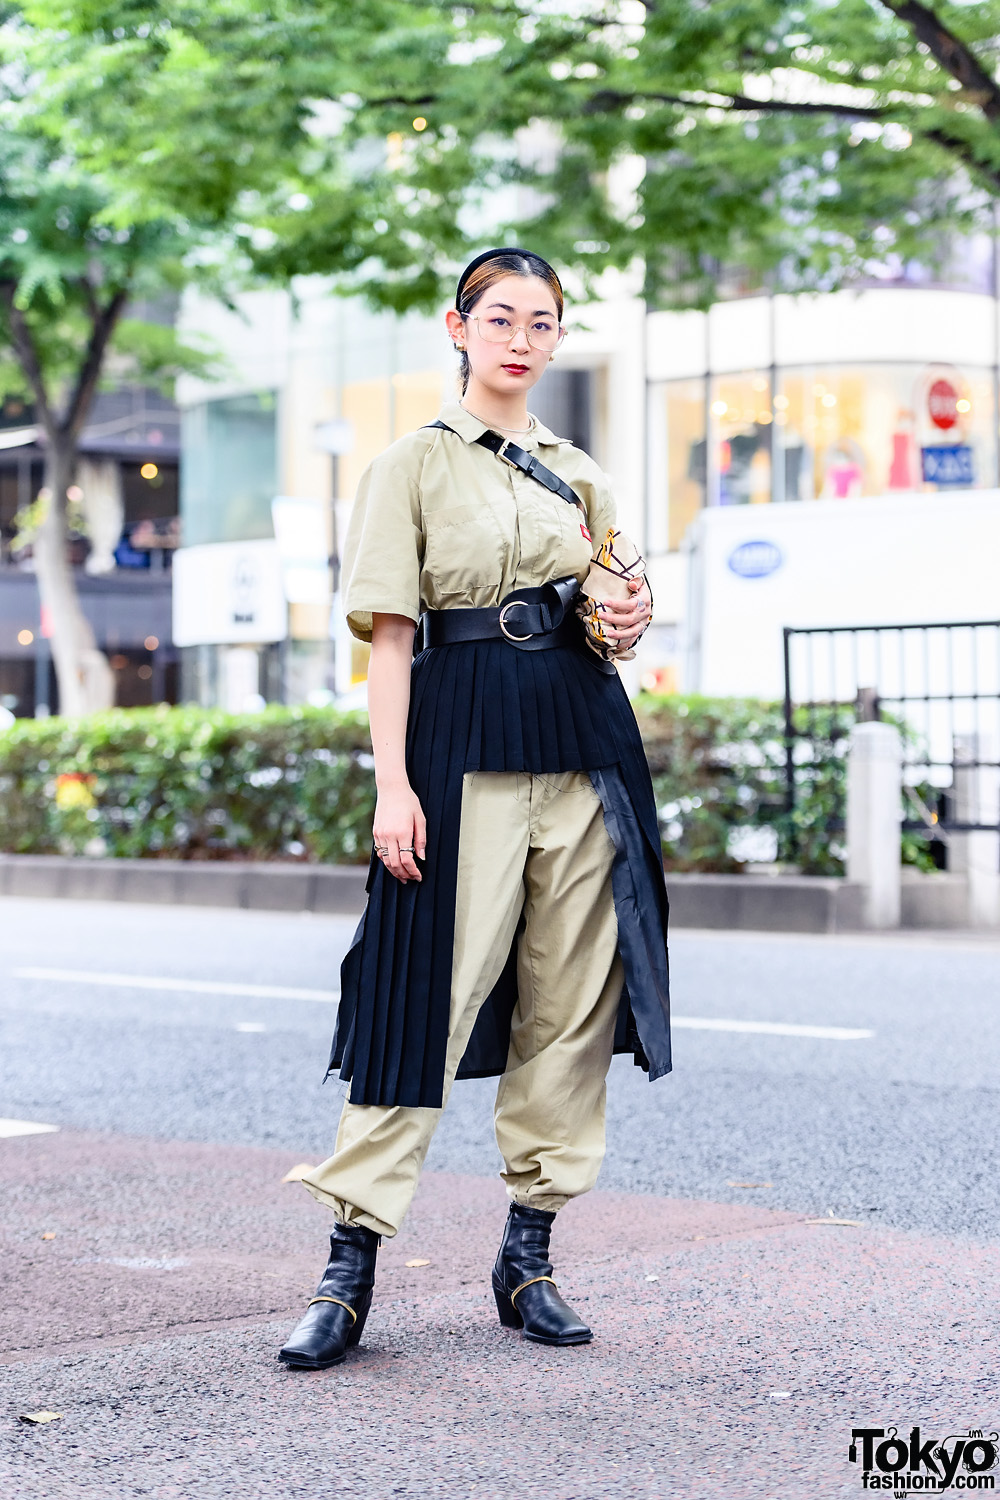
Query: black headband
491, 255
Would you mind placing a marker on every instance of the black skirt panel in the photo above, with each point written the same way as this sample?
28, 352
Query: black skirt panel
483, 706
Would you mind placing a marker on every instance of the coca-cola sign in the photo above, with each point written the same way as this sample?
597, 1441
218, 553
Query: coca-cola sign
942, 404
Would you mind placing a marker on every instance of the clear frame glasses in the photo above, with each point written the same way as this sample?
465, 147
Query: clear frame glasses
543, 334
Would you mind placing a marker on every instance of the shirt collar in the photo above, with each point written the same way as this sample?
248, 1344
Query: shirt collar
455, 416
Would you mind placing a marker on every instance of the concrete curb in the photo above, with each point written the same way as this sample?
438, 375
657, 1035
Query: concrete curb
175, 882
766, 903
780, 903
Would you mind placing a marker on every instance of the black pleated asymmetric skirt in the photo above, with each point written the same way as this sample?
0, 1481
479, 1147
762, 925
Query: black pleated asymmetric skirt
485, 706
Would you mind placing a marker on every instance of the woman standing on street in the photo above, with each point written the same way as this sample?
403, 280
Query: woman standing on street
516, 918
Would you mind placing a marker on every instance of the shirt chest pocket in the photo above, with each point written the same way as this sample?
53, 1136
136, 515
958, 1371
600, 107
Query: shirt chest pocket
569, 548
463, 550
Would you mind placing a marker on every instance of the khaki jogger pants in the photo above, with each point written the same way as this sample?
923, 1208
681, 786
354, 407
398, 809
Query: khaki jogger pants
533, 843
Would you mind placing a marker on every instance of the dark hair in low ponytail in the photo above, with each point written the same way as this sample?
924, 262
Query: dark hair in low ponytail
481, 273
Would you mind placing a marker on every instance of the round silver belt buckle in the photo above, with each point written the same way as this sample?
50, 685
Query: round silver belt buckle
510, 636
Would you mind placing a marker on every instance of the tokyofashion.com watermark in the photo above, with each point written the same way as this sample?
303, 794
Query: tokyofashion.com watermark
920, 1465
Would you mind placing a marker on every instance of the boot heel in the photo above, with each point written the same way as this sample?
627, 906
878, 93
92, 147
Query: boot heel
523, 1265
358, 1327
509, 1315
335, 1318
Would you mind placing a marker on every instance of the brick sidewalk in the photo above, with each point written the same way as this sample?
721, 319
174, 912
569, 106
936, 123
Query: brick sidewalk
152, 1319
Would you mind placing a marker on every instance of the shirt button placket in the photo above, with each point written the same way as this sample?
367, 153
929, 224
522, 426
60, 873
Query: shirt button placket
528, 524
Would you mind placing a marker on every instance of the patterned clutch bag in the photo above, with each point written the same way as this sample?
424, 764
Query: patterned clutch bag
617, 563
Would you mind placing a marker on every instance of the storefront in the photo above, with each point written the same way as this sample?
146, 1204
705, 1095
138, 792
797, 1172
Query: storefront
309, 402
761, 401
897, 393
126, 484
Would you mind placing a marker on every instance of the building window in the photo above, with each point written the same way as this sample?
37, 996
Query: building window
872, 429
741, 408
684, 418
833, 432
229, 473
381, 410
564, 403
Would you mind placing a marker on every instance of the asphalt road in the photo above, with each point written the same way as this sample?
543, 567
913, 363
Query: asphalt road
899, 1128
794, 1235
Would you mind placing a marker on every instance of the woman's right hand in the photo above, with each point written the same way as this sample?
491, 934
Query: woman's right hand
399, 828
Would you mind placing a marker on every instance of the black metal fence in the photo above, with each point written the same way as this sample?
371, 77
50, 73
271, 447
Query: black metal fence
939, 683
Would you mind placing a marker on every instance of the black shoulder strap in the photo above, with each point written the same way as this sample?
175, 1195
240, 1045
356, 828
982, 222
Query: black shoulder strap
518, 458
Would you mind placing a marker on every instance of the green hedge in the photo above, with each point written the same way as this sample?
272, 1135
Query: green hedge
718, 767
188, 783
297, 783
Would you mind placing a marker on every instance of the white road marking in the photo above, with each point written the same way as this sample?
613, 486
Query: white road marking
144, 1262
188, 986
771, 1028
25, 1127
329, 997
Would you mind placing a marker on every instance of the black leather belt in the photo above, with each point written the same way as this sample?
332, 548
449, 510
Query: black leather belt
529, 619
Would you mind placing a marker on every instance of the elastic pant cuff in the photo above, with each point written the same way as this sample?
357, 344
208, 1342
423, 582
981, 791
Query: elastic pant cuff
346, 1213
551, 1203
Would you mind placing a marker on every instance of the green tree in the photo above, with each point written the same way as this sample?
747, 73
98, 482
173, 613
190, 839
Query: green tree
67, 276
143, 151
128, 150
801, 141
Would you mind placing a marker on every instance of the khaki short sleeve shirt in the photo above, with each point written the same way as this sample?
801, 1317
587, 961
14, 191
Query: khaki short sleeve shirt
441, 523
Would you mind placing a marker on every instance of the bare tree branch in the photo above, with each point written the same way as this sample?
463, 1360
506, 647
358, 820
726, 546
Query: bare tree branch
955, 144
962, 150
606, 99
954, 55
90, 297
27, 354
411, 103
89, 372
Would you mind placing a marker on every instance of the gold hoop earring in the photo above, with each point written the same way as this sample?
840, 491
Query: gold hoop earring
551, 358
460, 348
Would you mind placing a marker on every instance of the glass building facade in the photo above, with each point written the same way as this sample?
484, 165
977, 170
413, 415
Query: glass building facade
230, 471
825, 431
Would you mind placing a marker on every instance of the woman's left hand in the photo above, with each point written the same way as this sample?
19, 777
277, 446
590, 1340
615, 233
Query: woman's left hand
624, 622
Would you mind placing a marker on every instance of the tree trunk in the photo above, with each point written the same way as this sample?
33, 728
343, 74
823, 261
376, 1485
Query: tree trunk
86, 681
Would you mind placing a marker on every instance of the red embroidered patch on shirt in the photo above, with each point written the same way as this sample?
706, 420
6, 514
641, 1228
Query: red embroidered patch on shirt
586, 532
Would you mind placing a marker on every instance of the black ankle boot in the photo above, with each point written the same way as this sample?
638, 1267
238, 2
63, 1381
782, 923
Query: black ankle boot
523, 1285
335, 1317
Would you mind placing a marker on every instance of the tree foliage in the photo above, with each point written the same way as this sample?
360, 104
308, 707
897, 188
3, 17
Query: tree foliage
219, 142
802, 140
798, 139
124, 150
69, 267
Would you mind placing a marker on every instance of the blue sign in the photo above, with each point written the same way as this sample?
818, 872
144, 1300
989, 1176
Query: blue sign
755, 559
947, 465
